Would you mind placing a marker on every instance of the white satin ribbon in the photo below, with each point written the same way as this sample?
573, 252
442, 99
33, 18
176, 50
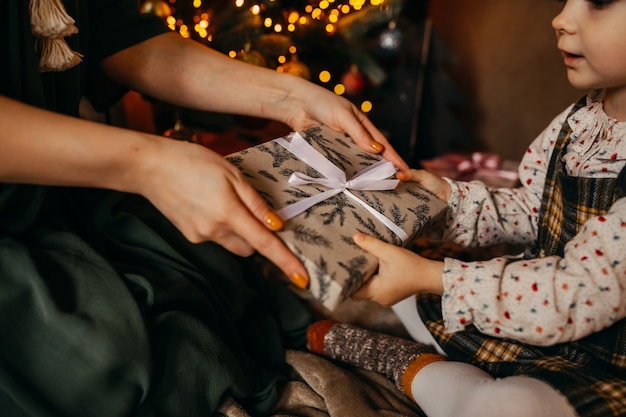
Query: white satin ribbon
374, 177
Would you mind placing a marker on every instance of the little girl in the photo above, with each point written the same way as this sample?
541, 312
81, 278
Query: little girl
539, 335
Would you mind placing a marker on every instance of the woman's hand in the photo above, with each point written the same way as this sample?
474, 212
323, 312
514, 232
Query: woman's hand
208, 199
401, 273
314, 104
433, 183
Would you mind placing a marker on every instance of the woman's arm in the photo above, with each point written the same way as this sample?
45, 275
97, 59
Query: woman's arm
196, 189
186, 73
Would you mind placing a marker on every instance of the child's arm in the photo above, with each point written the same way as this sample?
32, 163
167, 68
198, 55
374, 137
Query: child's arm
547, 300
542, 301
479, 216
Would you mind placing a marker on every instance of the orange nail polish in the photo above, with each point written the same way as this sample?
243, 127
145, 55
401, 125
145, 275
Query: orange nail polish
299, 280
273, 221
377, 147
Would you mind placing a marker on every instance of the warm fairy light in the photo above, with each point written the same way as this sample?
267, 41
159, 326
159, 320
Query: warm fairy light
324, 4
333, 18
278, 28
197, 3
291, 27
293, 17
239, 3
267, 22
324, 76
303, 20
308, 8
293, 49
184, 31
366, 106
232, 54
339, 89
255, 10
171, 22
376, 2
317, 13
202, 32
330, 28
282, 59
345, 9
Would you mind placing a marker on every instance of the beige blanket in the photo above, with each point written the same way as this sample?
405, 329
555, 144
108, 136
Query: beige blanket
322, 388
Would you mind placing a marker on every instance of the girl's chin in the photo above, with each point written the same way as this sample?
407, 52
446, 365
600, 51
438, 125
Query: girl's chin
580, 83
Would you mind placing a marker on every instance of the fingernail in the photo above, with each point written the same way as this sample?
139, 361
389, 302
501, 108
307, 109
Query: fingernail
299, 280
377, 147
273, 221
358, 237
402, 176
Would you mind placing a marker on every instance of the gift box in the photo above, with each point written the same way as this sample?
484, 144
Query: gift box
326, 188
486, 167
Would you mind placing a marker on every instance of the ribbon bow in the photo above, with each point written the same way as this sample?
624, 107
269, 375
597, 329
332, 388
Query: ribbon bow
374, 177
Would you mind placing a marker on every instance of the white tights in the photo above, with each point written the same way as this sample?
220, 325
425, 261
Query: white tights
457, 389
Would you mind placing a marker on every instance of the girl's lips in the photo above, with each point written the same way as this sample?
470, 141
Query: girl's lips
571, 60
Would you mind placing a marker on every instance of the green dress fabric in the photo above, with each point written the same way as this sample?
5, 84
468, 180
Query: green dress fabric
105, 308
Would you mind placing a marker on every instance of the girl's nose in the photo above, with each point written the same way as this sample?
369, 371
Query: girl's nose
563, 23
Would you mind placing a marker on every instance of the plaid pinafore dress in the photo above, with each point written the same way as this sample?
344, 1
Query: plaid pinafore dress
590, 372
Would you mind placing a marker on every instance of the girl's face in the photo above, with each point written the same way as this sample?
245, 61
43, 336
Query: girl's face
591, 36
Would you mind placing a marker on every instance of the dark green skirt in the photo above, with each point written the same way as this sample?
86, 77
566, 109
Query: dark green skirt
107, 310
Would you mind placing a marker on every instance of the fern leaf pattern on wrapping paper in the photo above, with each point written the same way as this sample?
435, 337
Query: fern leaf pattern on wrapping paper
338, 208
422, 196
356, 272
324, 278
311, 172
422, 216
236, 160
278, 153
397, 216
266, 174
326, 147
339, 204
311, 237
372, 200
372, 227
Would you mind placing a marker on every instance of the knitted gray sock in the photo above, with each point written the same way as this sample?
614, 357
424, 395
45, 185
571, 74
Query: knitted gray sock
397, 358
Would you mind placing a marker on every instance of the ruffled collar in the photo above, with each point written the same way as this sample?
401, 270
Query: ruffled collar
596, 138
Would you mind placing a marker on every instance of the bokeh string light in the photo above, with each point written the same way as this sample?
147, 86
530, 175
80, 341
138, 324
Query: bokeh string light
280, 27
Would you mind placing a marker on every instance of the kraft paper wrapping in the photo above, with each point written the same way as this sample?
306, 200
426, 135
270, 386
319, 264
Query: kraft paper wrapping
321, 236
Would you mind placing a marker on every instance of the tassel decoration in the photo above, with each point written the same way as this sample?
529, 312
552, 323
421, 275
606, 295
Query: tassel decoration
50, 23
56, 55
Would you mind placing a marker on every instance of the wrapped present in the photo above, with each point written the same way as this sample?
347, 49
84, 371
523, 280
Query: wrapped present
326, 188
477, 166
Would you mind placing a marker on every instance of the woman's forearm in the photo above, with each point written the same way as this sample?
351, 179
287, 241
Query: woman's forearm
186, 73
41, 147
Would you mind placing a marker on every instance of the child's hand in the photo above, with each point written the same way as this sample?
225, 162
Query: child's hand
433, 183
401, 273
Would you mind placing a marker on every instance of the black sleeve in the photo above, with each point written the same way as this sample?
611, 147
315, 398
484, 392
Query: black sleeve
113, 25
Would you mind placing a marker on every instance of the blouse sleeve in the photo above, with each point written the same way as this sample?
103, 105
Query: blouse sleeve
548, 300
480, 216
